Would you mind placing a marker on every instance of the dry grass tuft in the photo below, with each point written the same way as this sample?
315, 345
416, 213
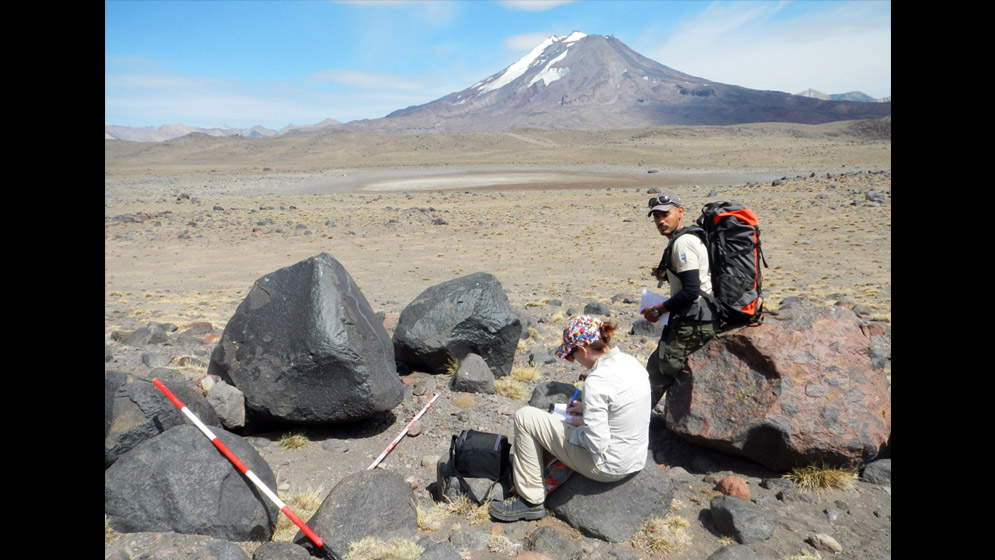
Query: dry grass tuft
525, 373
510, 387
663, 536
466, 509
501, 544
371, 548
822, 477
303, 504
452, 364
431, 519
293, 440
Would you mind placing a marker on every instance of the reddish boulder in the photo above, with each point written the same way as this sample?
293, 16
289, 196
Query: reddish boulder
734, 486
796, 390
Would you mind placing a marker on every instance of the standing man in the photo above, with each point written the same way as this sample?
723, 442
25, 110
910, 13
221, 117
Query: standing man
692, 317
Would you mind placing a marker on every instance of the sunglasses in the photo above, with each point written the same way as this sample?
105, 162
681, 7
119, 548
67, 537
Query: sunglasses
662, 200
570, 355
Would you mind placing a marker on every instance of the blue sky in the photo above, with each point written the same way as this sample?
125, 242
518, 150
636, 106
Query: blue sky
240, 63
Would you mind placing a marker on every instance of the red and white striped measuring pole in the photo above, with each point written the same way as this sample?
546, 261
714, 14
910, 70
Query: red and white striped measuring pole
393, 444
245, 471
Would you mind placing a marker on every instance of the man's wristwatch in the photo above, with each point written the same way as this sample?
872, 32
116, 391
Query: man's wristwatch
656, 312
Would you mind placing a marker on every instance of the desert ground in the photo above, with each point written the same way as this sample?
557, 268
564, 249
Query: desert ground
556, 216
551, 214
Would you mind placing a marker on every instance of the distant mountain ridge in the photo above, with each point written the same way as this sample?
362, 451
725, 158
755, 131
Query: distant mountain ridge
858, 96
580, 82
170, 131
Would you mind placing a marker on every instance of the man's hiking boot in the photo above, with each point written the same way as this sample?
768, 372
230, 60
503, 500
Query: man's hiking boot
516, 509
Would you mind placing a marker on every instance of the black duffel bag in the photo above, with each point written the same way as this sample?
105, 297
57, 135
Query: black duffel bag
474, 454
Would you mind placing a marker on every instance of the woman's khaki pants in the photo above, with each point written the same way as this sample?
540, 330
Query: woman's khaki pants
536, 430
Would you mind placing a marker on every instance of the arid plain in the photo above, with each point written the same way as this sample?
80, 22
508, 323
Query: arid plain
190, 224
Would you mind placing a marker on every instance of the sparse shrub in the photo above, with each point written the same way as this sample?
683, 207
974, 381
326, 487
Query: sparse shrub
452, 364
669, 535
822, 477
525, 373
431, 519
465, 508
371, 548
303, 504
510, 387
502, 545
293, 440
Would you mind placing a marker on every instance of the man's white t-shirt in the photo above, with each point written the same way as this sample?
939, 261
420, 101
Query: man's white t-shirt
689, 253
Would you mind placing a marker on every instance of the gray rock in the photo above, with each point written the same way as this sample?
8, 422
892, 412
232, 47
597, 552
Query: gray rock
552, 543
448, 486
469, 314
154, 360
642, 327
734, 552
613, 511
877, 472
473, 376
440, 551
597, 308
281, 551
135, 410
152, 333
468, 539
178, 481
741, 519
367, 503
174, 546
229, 404
551, 392
304, 346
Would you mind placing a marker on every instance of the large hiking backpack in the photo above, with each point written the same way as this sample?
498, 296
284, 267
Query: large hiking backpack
731, 234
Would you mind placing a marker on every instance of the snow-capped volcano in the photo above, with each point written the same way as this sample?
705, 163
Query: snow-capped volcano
538, 56
593, 82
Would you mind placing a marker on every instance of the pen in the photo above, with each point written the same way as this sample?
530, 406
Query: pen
573, 398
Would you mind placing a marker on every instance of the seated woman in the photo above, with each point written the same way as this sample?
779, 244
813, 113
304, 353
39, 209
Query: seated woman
610, 434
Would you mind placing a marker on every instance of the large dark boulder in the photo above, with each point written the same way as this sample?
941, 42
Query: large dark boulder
367, 503
136, 410
796, 390
613, 511
179, 481
469, 314
305, 347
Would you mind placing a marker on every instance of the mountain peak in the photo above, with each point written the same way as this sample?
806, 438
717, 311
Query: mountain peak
525, 63
589, 82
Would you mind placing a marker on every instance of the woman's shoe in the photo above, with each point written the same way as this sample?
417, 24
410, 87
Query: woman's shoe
516, 509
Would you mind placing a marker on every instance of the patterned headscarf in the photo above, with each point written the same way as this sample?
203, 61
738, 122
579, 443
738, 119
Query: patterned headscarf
581, 331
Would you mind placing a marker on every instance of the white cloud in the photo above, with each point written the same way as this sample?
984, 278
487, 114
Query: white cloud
533, 5
525, 42
835, 49
367, 80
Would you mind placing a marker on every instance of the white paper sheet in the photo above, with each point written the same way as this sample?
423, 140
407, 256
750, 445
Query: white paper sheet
649, 299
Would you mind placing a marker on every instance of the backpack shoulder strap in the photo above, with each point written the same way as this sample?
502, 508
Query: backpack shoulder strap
665, 259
